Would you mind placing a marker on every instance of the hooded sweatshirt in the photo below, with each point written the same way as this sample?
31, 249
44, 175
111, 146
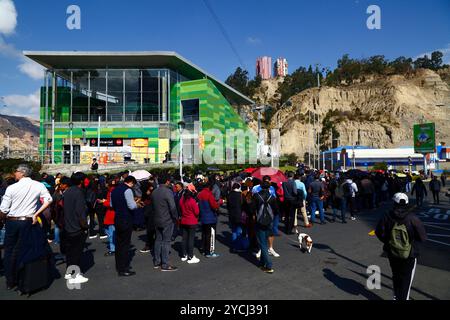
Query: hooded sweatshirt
208, 205
401, 215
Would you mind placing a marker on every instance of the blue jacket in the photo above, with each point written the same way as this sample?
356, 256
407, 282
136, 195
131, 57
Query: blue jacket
208, 206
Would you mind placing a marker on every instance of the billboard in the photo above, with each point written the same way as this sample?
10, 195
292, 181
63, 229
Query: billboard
424, 138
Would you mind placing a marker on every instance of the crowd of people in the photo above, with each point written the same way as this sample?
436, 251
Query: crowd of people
72, 209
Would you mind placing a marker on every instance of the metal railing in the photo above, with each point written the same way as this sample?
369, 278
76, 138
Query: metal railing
114, 118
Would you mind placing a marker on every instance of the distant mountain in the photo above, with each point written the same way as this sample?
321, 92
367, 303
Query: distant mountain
21, 131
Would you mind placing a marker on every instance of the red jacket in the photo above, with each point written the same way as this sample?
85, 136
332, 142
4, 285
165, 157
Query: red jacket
110, 214
189, 211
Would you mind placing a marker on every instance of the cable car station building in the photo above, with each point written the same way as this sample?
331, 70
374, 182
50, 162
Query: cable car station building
132, 100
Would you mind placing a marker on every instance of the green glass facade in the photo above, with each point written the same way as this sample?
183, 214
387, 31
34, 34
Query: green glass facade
137, 108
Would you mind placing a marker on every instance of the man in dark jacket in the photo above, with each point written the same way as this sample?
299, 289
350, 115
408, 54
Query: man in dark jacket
403, 266
435, 188
420, 190
73, 237
165, 215
263, 232
234, 208
122, 201
317, 195
290, 200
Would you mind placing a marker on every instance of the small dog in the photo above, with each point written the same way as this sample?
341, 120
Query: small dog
305, 242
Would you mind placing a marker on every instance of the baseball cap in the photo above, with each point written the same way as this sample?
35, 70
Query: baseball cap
400, 198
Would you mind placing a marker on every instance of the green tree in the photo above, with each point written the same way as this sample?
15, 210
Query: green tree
239, 80
436, 60
401, 65
423, 62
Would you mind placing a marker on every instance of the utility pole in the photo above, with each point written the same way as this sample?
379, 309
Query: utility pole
309, 138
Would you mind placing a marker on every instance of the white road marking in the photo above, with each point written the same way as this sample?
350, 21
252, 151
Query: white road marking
437, 227
446, 244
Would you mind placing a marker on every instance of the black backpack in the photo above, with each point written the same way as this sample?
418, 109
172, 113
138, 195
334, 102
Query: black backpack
264, 216
347, 188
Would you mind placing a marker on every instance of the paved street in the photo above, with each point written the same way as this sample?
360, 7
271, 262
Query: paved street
335, 269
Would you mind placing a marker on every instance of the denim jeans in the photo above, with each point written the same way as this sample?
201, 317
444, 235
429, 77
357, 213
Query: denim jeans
262, 235
56, 239
317, 203
236, 231
162, 245
111, 232
276, 223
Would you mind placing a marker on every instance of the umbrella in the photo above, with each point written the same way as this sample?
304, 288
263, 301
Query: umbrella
275, 175
141, 174
249, 170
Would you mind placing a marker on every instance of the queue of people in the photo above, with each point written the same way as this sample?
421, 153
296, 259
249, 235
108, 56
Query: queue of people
73, 209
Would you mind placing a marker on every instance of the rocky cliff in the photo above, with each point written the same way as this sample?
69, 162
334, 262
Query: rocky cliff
378, 112
24, 133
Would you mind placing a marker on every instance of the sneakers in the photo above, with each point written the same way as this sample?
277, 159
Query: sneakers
93, 237
104, 236
353, 218
267, 270
156, 266
145, 250
109, 253
78, 279
213, 255
192, 260
169, 268
184, 259
68, 276
258, 255
272, 252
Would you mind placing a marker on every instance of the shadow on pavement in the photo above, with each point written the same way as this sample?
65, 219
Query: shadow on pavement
348, 285
325, 247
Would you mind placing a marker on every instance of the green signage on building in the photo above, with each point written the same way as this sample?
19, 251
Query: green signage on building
424, 138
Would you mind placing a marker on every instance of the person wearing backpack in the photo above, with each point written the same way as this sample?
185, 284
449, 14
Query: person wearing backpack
400, 230
349, 189
267, 207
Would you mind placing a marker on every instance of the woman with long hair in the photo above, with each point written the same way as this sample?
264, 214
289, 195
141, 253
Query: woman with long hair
189, 220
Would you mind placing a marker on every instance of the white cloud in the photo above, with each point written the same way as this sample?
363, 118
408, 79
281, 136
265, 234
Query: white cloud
8, 17
253, 40
9, 50
22, 105
445, 52
32, 69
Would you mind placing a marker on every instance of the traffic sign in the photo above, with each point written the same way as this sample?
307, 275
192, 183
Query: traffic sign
424, 138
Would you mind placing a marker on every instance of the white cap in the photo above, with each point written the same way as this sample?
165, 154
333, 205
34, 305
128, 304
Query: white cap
400, 196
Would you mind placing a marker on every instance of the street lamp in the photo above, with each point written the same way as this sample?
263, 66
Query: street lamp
181, 126
7, 134
99, 109
260, 109
71, 142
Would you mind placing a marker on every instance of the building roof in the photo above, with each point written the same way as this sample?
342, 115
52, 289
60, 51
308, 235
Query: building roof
138, 59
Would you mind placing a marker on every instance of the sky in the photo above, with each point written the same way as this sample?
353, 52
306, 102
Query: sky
305, 32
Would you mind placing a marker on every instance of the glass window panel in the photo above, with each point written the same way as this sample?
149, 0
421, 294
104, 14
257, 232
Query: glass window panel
98, 83
132, 80
115, 73
190, 110
115, 84
150, 84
